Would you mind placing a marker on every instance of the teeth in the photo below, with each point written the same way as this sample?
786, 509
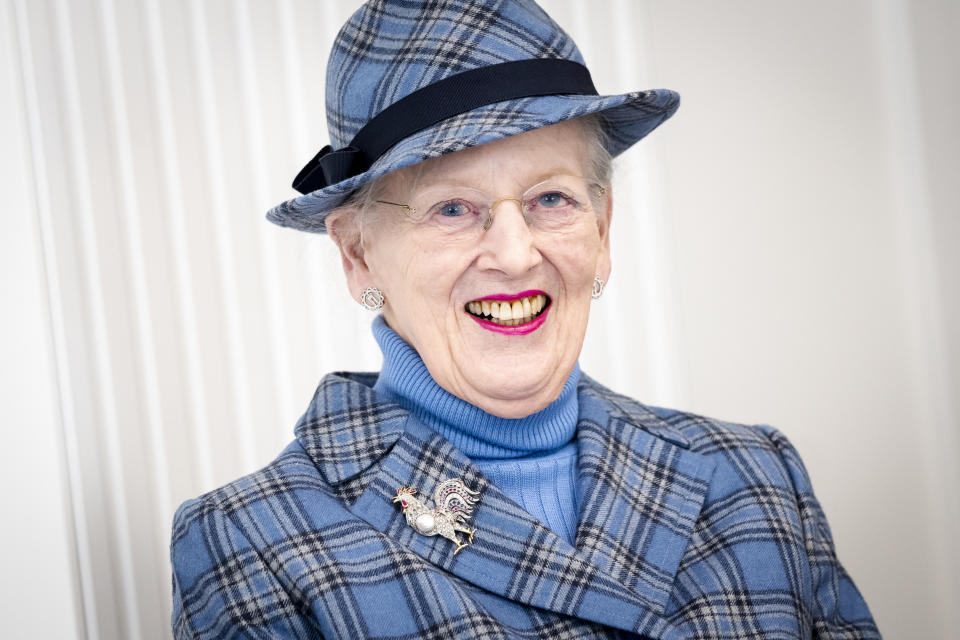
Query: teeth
509, 313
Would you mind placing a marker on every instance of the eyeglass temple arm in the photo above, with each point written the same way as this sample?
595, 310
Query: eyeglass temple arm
396, 204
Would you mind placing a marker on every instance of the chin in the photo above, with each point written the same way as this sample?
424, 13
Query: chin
515, 397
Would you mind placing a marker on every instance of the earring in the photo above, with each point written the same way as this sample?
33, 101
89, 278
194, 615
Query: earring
597, 287
371, 299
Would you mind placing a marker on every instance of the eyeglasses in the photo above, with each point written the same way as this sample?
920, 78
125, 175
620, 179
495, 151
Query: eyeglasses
552, 205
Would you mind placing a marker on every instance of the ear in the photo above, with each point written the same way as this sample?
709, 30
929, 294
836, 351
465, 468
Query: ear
603, 223
343, 228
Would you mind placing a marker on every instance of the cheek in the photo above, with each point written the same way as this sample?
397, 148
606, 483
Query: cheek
389, 259
433, 273
577, 257
399, 265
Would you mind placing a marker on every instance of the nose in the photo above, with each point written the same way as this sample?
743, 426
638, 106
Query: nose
507, 244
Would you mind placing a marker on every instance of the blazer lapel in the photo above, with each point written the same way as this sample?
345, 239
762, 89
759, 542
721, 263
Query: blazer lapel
640, 495
512, 555
641, 490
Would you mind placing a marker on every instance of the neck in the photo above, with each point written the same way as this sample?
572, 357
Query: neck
405, 380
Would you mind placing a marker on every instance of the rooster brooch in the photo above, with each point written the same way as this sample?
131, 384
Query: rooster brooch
454, 504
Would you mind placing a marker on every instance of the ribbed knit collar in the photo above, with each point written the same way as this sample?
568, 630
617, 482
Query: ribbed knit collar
404, 379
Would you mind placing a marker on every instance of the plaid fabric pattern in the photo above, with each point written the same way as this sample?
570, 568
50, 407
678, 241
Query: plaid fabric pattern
688, 528
390, 48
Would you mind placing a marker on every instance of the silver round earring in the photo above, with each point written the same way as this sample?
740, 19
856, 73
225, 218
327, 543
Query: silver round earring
371, 299
598, 285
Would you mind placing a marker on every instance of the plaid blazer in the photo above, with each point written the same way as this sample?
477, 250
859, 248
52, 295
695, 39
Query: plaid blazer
688, 528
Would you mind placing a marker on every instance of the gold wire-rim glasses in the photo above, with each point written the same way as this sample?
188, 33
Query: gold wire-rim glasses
601, 191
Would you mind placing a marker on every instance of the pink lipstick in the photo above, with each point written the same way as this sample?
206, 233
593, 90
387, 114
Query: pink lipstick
516, 330
534, 323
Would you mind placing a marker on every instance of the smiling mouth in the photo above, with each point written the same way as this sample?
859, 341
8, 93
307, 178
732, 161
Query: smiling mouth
509, 313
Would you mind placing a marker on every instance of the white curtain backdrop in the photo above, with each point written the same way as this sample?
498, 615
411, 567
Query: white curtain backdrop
784, 253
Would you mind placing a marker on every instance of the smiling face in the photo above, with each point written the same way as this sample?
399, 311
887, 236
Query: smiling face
437, 285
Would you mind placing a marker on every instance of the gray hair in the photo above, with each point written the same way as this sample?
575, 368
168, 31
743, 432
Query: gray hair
600, 163
599, 166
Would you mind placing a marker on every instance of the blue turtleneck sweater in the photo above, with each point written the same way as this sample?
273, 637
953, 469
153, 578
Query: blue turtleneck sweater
533, 459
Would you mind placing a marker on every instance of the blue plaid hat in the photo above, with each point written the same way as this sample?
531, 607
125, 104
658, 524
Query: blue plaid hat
408, 81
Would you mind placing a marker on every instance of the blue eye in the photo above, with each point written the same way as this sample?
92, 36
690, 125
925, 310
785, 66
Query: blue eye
453, 210
552, 200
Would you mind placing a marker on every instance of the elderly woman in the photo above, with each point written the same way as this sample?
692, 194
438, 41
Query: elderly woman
481, 486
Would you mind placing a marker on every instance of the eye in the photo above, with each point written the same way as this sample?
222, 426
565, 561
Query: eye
552, 200
454, 214
453, 209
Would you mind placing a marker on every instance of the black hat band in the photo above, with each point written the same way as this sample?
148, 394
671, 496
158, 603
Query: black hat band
436, 102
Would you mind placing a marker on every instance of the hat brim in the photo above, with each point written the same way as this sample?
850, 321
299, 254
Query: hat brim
628, 118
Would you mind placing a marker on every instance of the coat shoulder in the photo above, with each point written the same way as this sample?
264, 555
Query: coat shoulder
755, 453
225, 583
291, 470
708, 434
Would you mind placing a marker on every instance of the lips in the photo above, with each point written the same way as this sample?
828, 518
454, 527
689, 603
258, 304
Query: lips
509, 310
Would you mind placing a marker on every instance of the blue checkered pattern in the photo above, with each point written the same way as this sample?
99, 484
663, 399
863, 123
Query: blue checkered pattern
390, 48
688, 528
